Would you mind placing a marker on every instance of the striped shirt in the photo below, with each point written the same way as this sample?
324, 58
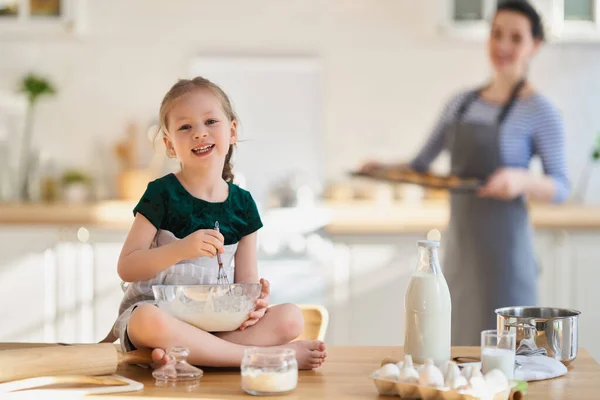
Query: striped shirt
533, 126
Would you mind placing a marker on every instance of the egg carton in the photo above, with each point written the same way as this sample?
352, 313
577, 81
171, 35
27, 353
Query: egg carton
390, 387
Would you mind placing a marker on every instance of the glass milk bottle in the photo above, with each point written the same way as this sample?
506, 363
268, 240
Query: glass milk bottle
427, 309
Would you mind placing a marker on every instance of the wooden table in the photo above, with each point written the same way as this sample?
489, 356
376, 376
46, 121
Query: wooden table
345, 375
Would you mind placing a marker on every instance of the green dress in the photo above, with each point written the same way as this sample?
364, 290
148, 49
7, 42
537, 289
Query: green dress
176, 213
170, 207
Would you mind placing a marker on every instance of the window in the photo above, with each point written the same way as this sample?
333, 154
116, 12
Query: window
468, 10
40, 16
468, 19
576, 20
564, 20
579, 10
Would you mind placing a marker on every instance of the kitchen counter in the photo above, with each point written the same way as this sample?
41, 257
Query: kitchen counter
345, 375
106, 214
369, 218
349, 217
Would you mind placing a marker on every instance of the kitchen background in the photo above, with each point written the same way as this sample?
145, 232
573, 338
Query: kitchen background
320, 86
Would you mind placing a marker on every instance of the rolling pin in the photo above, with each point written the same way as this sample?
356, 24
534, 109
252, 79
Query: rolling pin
86, 359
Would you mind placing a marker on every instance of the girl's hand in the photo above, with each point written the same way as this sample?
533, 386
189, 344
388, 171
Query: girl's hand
506, 184
203, 243
261, 306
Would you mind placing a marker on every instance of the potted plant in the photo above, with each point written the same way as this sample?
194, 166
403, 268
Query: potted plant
33, 87
76, 186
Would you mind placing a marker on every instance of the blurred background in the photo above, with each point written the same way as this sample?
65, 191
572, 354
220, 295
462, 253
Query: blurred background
320, 86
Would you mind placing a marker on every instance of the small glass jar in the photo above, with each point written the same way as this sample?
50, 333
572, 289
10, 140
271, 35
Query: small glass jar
269, 371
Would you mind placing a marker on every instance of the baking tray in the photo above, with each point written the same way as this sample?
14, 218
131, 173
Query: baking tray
452, 183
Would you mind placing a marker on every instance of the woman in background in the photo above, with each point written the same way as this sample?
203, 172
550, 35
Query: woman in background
492, 133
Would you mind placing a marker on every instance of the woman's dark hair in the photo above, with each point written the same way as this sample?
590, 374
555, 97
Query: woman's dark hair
524, 8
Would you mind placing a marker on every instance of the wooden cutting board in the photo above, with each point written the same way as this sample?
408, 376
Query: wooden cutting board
69, 385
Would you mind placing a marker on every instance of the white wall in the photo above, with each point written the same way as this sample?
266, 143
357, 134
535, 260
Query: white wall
386, 71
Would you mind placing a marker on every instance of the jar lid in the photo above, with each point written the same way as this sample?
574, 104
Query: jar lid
270, 352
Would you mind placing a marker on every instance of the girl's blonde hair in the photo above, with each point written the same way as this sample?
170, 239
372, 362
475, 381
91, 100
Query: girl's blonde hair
185, 86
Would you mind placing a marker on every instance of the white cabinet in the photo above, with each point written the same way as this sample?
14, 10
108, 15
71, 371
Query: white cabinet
563, 20
60, 284
107, 292
581, 286
570, 263
26, 276
375, 270
56, 288
546, 261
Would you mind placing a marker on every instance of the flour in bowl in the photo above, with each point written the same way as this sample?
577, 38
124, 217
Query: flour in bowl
214, 313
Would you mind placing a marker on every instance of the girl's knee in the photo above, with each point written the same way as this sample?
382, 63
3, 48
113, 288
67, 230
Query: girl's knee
291, 323
147, 322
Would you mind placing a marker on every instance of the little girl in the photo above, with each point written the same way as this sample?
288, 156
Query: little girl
172, 240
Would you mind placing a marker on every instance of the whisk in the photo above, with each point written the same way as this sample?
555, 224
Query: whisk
221, 275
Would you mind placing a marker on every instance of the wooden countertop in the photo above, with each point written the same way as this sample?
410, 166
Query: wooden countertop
345, 375
370, 218
351, 217
113, 214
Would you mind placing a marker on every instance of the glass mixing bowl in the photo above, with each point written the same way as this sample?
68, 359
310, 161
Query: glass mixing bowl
212, 308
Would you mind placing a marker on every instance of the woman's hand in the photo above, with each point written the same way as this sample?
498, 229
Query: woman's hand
506, 184
262, 303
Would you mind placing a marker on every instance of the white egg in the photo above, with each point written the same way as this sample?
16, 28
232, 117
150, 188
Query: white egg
444, 366
431, 375
460, 382
475, 373
496, 380
408, 373
467, 371
477, 383
389, 371
453, 378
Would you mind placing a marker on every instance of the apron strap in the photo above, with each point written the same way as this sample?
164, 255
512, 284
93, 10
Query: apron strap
471, 97
474, 95
511, 102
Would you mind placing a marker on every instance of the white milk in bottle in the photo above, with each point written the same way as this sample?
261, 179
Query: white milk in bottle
427, 309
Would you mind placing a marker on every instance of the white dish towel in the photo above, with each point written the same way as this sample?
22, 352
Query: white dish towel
537, 368
535, 365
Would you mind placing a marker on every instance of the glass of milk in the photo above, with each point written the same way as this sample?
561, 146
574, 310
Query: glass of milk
498, 352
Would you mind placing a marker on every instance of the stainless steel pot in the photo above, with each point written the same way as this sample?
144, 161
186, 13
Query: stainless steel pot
555, 329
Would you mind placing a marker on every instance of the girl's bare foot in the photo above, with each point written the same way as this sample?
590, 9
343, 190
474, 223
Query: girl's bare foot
310, 354
159, 358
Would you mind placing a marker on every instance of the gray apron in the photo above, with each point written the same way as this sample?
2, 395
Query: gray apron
489, 259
